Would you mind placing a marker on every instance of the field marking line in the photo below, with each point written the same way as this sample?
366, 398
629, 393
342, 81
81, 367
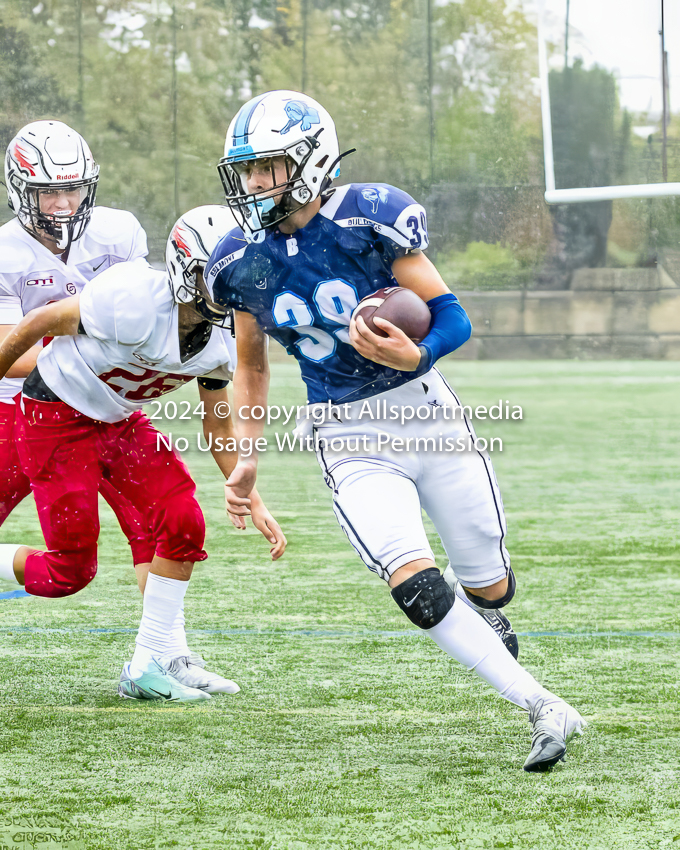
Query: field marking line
14, 594
323, 633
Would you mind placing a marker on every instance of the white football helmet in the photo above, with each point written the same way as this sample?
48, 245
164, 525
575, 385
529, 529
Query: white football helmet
47, 157
275, 124
190, 244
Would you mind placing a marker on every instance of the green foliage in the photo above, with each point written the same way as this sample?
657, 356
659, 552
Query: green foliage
106, 68
153, 84
588, 147
481, 266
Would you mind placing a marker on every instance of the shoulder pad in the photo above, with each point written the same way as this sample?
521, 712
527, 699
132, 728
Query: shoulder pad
116, 230
229, 249
380, 202
16, 257
392, 212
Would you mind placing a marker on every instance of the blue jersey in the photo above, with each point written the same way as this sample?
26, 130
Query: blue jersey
302, 288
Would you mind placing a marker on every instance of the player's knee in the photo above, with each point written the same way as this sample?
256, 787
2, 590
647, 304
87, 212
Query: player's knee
501, 601
74, 586
181, 531
70, 572
425, 598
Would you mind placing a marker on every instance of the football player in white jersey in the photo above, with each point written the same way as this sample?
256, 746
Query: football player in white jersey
305, 255
81, 421
57, 242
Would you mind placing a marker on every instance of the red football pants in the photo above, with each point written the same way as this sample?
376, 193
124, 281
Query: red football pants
15, 486
67, 457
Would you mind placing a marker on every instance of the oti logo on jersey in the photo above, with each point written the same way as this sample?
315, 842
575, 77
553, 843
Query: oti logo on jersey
41, 281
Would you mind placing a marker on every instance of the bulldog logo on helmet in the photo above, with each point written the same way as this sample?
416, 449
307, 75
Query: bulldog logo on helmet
299, 113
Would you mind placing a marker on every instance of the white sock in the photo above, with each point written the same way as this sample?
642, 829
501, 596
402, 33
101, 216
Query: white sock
177, 644
7, 553
163, 601
465, 636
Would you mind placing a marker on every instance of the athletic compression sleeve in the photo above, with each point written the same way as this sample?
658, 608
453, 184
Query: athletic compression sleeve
212, 384
450, 328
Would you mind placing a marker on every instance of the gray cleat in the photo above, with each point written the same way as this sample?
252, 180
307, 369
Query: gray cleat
193, 675
554, 723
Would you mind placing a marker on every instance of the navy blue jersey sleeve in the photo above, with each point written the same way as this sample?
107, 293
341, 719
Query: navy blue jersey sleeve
220, 276
398, 221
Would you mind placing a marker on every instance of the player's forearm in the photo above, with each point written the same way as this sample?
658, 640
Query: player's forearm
219, 434
26, 363
251, 388
23, 367
30, 330
59, 319
218, 427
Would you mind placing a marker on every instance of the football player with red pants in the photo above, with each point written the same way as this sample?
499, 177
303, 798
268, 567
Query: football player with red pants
81, 422
56, 243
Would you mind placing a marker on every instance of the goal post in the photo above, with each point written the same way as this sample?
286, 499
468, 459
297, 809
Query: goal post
585, 193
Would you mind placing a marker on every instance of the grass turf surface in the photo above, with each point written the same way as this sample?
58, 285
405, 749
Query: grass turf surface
352, 730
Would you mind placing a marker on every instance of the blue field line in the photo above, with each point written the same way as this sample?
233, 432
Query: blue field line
288, 633
14, 594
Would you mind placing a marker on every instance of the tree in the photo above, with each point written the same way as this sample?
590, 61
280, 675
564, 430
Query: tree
588, 150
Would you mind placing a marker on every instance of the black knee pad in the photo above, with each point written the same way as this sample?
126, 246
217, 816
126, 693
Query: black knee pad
495, 603
425, 598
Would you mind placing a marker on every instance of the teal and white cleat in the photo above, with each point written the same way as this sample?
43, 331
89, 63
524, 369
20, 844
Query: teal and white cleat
157, 684
193, 674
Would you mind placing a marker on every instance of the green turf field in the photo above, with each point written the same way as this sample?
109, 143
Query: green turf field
352, 730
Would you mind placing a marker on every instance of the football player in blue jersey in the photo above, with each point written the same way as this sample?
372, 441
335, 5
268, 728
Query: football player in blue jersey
304, 256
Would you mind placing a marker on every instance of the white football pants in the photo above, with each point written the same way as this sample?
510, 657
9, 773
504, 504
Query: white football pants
380, 484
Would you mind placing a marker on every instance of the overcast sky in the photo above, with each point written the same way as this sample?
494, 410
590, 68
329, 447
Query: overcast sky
623, 36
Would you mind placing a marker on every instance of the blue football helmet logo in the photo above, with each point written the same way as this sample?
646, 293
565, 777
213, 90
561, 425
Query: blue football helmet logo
299, 113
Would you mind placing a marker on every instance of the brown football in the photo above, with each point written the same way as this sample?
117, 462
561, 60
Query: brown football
400, 306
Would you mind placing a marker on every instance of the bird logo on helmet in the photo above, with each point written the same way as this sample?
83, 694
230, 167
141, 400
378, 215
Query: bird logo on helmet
190, 244
287, 128
49, 157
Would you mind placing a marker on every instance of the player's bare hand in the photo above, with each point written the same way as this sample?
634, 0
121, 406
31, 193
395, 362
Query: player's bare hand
265, 523
395, 350
237, 490
238, 522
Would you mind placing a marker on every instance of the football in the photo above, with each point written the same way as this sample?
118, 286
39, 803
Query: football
400, 306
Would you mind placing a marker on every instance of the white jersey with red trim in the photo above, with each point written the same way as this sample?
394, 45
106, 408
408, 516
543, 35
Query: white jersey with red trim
31, 275
130, 354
